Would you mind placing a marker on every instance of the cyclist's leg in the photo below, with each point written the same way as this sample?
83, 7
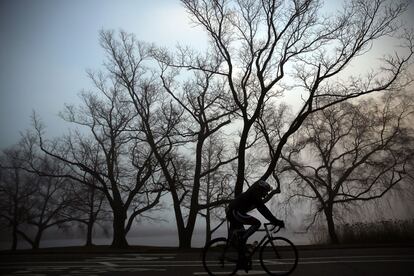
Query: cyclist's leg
247, 220
236, 232
254, 226
234, 225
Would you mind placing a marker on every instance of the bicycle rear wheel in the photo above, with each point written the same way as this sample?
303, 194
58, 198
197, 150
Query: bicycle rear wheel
220, 257
278, 256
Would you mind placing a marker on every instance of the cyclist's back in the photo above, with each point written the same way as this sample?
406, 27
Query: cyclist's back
248, 201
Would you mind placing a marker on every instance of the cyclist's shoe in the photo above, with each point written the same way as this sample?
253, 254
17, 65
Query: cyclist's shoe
250, 247
243, 263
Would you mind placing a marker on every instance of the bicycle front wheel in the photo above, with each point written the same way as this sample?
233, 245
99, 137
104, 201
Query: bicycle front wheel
220, 257
278, 256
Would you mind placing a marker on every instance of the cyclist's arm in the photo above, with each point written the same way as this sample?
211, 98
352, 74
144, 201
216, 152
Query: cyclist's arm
266, 213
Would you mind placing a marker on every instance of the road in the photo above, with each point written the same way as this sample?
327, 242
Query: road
337, 262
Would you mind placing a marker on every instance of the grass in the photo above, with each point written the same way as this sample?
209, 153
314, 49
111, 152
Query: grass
390, 231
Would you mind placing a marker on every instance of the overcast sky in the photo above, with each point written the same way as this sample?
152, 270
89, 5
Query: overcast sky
47, 45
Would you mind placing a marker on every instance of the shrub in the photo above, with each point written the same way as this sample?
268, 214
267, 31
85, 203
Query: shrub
389, 231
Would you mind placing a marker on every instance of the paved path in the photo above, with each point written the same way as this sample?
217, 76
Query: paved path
337, 262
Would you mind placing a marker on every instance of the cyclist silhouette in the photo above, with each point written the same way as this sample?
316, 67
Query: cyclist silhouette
237, 215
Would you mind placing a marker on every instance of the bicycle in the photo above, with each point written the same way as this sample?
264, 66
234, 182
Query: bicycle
278, 255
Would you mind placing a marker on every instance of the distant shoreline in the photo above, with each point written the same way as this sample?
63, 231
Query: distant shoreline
167, 240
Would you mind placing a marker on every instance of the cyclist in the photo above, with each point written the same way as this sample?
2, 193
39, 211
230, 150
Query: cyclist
237, 215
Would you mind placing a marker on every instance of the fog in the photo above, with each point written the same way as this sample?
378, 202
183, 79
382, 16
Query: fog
48, 45
163, 233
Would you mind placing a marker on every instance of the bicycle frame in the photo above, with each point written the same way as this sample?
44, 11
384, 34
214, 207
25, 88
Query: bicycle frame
228, 254
268, 236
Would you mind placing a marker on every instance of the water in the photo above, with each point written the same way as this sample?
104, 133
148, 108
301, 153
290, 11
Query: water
167, 239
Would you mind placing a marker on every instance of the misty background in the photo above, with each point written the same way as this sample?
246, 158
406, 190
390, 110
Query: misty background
48, 45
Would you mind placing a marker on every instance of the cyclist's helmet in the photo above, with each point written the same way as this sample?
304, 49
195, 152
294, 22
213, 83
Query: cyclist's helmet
262, 186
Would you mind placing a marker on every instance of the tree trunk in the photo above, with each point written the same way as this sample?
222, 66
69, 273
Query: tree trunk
119, 235
208, 218
238, 189
208, 225
185, 234
187, 231
184, 237
36, 241
14, 241
331, 226
92, 217
89, 233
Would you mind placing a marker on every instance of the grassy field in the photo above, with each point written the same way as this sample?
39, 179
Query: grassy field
394, 231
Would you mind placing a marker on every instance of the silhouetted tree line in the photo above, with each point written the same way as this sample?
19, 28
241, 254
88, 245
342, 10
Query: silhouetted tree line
198, 127
349, 154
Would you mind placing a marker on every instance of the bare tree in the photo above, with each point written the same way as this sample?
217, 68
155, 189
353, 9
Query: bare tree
209, 110
121, 165
88, 206
176, 118
16, 188
350, 153
47, 200
49, 203
215, 185
261, 46
255, 45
